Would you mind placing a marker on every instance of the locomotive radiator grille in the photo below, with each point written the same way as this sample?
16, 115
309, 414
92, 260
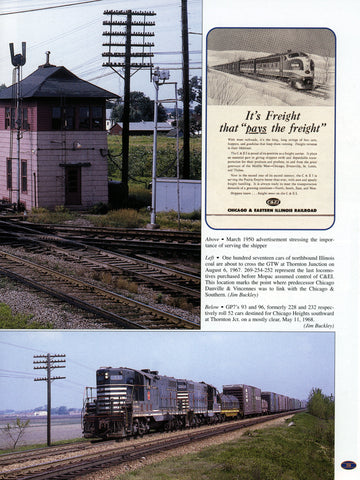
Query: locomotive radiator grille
111, 397
183, 400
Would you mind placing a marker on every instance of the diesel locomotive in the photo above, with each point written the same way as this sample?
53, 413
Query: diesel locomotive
296, 68
128, 402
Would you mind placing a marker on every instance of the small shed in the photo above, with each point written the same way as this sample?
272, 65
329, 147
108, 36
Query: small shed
168, 190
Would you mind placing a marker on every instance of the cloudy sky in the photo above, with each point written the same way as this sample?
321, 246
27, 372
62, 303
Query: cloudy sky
74, 36
288, 363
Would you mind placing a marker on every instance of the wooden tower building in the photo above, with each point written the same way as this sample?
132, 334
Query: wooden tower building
54, 151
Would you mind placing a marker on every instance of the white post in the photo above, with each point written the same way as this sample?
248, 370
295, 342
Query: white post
157, 76
153, 185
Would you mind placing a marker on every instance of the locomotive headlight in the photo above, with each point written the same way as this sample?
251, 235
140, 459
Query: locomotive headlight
307, 72
106, 375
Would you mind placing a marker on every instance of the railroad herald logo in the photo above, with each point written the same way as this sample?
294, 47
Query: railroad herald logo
273, 202
348, 465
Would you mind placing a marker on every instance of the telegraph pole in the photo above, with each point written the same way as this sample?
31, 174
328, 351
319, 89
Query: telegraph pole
186, 90
48, 363
127, 64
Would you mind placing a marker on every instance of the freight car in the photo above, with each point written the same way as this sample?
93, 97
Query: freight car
296, 68
128, 402
249, 399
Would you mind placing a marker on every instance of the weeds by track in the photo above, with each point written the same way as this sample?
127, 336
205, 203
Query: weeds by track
74, 466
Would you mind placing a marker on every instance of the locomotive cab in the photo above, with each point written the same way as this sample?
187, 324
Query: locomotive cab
299, 68
110, 412
117, 387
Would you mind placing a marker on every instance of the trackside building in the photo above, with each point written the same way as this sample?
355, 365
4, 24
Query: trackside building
63, 141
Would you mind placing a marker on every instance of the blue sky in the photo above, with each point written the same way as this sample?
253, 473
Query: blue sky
74, 37
288, 363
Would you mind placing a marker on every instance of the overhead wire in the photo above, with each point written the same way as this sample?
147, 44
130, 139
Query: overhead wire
49, 8
42, 351
88, 63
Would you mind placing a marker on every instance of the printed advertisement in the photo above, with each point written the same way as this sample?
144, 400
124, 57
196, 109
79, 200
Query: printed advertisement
188, 257
281, 218
270, 128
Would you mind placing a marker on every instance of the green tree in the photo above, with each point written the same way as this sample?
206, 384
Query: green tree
195, 93
320, 405
141, 109
15, 431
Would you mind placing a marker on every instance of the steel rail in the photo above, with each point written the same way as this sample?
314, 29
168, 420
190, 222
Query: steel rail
147, 271
84, 464
117, 232
79, 287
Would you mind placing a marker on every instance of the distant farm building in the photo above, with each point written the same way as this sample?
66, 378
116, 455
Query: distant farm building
140, 128
63, 141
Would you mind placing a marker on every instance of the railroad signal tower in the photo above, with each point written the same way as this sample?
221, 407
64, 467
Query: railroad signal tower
18, 61
48, 363
133, 55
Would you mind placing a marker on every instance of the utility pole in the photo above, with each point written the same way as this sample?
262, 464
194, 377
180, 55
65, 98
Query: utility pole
48, 363
186, 90
127, 64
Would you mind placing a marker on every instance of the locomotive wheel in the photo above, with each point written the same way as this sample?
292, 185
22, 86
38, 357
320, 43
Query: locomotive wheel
169, 426
142, 429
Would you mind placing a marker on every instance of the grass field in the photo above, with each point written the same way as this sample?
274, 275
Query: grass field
141, 157
136, 214
303, 451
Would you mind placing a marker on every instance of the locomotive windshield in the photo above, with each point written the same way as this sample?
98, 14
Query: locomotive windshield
106, 375
297, 54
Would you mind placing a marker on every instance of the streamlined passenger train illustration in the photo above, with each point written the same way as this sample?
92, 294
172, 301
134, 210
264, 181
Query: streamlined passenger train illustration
296, 68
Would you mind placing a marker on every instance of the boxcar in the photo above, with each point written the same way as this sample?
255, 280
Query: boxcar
249, 398
272, 400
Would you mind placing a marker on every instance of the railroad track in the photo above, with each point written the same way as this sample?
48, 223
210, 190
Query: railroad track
75, 466
129, 233
318, 92
114, 310
29, 455
165, 241
153, 275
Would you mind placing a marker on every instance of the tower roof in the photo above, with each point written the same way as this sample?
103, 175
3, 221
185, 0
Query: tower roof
52, 81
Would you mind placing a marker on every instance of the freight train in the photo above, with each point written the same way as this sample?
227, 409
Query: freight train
296, 68
128, 402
